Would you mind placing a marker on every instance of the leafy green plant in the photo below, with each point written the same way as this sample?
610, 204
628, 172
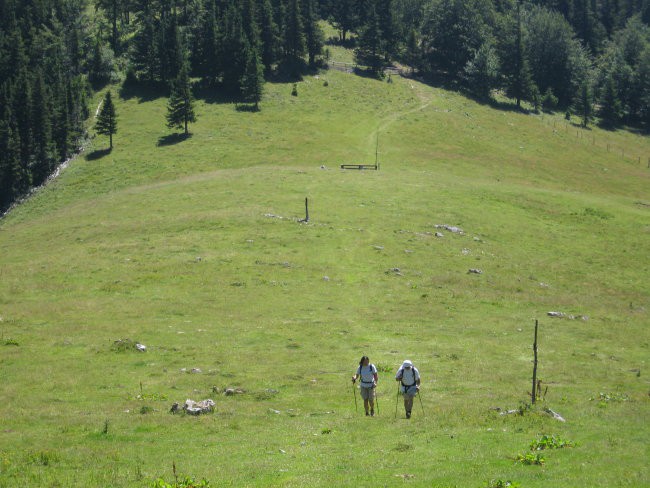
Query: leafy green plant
384, 368
550, 442
605, 398
502, 484
43, 458
185, 482
145, 409
11, 342
530, 459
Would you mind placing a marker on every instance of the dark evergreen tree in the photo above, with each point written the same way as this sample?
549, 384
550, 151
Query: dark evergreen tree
180, 107
370, 49
344, 17
482, 72
269, 36
314, 36
518, 78
41, 113
106, 124
295, 44
252, 83
584, 105
233, 46
610, 105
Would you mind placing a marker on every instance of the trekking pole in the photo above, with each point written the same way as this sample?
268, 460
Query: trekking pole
420, 397
354, 392
377, 401
396, 401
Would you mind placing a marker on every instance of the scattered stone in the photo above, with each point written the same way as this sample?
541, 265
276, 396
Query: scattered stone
282, 451
379, 248
439, 234
196, 370
233, 391
198, 259
326, 278
465, 251
408, 251
197, 408
272, 410
555, 415
562, 315
475, 271
323, 167
544, 285
122, 345
509, 412
175, 408
477, 239
216, 389
451, 228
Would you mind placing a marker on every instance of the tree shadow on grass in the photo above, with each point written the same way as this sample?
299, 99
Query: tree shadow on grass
144, 92
98, 154
171, 139
247, 107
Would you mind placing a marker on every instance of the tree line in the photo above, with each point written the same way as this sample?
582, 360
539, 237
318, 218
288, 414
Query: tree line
588, 57
43, 90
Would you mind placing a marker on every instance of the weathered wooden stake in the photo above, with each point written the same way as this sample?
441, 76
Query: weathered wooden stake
533, 394
306, 210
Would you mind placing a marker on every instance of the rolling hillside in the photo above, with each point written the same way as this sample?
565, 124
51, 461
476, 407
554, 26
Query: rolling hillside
193, 248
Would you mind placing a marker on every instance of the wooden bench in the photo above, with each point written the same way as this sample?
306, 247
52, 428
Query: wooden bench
360, 166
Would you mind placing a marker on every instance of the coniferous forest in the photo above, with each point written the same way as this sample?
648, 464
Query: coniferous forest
590, 58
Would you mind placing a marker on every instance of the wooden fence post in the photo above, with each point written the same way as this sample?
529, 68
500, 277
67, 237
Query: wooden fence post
534, 394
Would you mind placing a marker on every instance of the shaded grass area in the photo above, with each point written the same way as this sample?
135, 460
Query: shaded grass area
194, 249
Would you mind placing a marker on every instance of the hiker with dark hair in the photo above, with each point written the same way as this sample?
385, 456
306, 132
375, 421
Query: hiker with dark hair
367, 373
409, 378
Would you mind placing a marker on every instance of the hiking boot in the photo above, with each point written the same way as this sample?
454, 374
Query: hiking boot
372, 413
408, 415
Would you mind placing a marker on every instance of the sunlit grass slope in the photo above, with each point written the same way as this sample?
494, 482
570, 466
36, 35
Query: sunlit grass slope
193, 248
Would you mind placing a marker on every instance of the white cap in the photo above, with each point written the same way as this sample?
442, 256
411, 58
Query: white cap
407, 364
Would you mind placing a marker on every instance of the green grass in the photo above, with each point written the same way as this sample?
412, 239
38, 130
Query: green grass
173, 246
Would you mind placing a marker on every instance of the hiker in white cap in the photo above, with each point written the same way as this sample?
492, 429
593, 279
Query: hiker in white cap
368, 374
409, 378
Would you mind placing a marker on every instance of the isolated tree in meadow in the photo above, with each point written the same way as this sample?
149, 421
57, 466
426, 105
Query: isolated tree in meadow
252, 82
106, 124
180, 107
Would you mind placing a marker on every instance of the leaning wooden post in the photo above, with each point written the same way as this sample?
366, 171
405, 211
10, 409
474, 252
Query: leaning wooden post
533, 394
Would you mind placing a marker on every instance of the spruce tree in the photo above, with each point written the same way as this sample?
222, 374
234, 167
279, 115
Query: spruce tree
314, 36
610, 105
268, 35
41, 113
106, 124
519, 81
180, 107
294, 36
252, 83
369, 51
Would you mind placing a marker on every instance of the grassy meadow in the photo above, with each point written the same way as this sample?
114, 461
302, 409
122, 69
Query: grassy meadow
193, 248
